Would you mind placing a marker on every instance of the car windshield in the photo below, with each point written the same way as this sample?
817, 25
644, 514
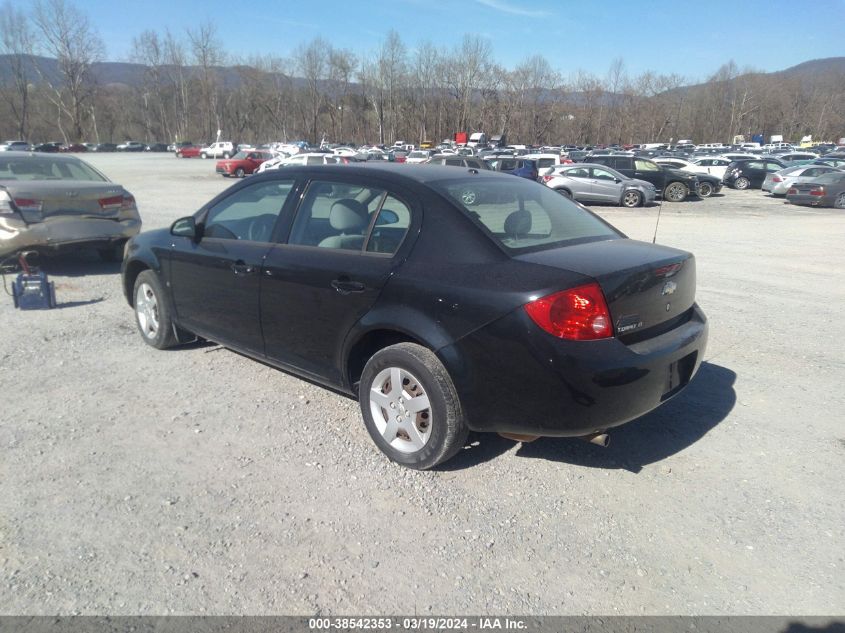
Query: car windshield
524, 215
831, 178
239, 156
46, 168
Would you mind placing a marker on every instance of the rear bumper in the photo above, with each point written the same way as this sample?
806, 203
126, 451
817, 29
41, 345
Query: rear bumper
60, 232
533, 383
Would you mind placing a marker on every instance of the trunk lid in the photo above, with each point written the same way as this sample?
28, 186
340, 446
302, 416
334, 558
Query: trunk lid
645, 285
41, 199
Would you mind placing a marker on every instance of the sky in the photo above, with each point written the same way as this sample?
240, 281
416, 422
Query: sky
691, 38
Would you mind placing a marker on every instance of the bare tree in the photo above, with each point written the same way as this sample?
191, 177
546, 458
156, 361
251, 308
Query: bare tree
68, 37
207, 54
310, 61
16, 44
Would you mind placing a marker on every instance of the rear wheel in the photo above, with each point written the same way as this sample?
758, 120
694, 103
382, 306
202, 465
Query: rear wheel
239, 172
742, 183
632, 199
565, 193
705, 189
204, 155
839, 203
152, 311
676, 192
410, 406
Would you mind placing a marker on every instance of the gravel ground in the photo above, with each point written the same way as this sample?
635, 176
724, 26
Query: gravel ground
134, 481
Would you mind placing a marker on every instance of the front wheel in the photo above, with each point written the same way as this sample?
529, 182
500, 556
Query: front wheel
676, 192
742, 183
705, 190
152, 311
410, 406
632, 199
239, 172
839, 203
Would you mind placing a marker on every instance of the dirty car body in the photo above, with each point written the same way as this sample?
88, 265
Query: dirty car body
486, 288
57, 202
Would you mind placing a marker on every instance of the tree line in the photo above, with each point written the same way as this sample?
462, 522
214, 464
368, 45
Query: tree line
192, 87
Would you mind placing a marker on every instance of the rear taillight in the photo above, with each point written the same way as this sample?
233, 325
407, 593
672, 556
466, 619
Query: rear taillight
792, 191
112, 202
6, 208
577, 314
817, 191
547, 178
777, 179
28, 204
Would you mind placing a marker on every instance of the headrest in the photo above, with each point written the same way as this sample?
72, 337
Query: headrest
348, 215
518, 223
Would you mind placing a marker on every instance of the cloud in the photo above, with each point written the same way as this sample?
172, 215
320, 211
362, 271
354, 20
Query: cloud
506, 7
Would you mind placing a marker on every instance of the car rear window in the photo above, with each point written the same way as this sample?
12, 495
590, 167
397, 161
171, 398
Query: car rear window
46, 168
524, 215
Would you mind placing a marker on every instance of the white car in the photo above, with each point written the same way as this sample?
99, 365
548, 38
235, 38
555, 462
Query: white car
315, 158
546, 162
778, 183
221, 149
418, 156
15, 146
715, 166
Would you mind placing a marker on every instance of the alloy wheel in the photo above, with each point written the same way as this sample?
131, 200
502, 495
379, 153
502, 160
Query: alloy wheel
146, 308
401, 409
631, 199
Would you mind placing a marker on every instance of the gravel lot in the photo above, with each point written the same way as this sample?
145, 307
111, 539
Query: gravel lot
134, 481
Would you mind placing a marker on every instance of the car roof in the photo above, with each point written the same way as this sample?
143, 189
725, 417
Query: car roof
16, 154
419, 174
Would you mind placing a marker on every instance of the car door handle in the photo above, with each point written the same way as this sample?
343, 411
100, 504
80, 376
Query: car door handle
240, 267
346, 286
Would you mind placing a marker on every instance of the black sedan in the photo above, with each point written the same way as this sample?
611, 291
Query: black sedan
750, 174
523, 314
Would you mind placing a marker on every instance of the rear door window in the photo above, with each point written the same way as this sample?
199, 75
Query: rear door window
645, 165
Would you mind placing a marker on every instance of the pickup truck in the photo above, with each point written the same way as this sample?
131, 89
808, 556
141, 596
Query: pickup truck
221, 149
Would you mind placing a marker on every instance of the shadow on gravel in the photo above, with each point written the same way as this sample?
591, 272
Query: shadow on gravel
667, 430
836, 626
81, 264
76, 304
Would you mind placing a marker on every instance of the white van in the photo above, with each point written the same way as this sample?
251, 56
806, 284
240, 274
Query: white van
476, 139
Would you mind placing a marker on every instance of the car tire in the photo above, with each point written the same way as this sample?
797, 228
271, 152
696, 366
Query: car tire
839, 203
420, 436
239, 172
632, 199
225, 154
113, 252
203, 155
705, 190
152, 311
565, 193
742, 183
675, 192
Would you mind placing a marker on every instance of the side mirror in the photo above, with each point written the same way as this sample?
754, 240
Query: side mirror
185, 227
386, 216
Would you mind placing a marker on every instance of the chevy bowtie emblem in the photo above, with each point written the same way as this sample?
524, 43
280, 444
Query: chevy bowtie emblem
668, 288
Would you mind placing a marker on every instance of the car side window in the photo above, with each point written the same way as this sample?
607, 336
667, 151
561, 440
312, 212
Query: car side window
602, 174
773, 167
390, 227
249, 213
645, 165
335, 215
754, 164
455, 162
580, 172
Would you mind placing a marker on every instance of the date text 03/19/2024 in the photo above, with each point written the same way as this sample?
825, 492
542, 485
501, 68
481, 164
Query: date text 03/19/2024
416, 624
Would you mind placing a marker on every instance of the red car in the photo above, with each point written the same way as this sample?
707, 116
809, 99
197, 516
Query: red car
188, 151
242, 163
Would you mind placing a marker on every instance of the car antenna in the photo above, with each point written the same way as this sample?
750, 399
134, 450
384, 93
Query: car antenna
656, 224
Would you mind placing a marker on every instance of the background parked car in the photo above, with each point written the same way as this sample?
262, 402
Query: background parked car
792, 159
825, 191
779, 182
49, 148
242, 163
221, 149
419, 156
131, 146
105, 147
74, 148
457, 160
156, 147
586, 182
673, 184
15, 146
750, 174
522, 167
188, 151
